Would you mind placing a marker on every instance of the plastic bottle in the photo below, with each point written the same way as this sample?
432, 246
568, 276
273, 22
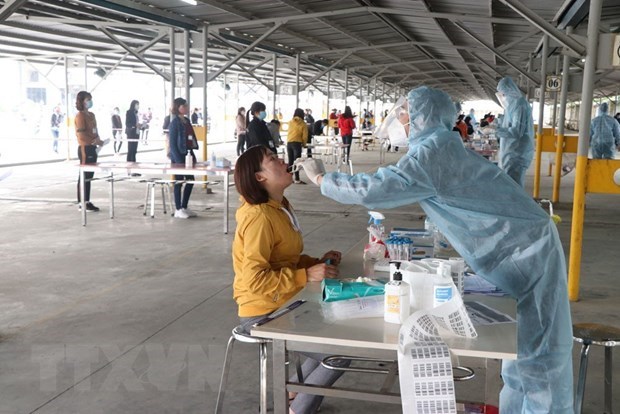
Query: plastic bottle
396, 304
189, 161
442, 287
457, 268
376, 229
213, 159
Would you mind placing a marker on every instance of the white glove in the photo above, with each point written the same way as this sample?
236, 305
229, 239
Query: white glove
314, 169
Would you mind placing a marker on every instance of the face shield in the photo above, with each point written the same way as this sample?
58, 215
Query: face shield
395, 125
502, 99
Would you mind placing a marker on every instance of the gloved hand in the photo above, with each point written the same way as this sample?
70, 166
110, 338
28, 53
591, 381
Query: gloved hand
314, 169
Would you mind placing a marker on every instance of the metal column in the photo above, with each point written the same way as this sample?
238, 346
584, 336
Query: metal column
205, 69
67, 100
557, 173
346, 85
329, 84
585, 114
297, 80
275, 86
173, 74
541, 114
186, 42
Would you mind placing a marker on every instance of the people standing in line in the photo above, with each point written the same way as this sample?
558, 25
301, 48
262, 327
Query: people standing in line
132, 130
257, 131
268, 259
333, 118
274, 130
470, 127
117, 130
319, 127
296, 138
604, 134
500, 231
145, 124
516, 131
195, 116
56, 120
461, 127
308, 117
88, 139
241, 130
180, 129
346, 124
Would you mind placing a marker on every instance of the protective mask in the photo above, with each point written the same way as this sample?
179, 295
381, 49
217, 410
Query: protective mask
262, 115
398, 134
89, 104
392, 128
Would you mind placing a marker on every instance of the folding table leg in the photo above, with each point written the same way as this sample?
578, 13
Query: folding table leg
146, 198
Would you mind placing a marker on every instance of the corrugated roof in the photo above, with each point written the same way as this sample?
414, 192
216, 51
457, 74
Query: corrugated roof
396, 42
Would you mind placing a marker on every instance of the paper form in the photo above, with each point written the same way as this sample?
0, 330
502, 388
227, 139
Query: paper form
425, 369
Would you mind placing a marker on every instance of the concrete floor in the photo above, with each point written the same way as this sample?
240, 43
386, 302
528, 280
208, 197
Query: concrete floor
132, 315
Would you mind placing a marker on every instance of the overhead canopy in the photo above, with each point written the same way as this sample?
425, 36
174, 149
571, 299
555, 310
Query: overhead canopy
462, 46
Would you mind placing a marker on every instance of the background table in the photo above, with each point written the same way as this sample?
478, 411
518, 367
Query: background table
147, 168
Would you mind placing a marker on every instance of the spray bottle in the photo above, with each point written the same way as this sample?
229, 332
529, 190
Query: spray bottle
442, 287
376, 229
396, 309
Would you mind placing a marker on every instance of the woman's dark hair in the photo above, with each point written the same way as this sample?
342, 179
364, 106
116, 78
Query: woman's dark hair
176, 104
298, 113
80, 98
467, 119
347, 112
275, 121
132, 107
256, 107
460, 118
241, 109
248, 164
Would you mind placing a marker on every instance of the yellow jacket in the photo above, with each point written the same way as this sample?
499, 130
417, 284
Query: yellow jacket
267, 260
297, 131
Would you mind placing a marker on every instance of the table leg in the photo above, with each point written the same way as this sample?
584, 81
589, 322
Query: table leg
280, 398
226, 201
82, 202
152, 199
111, 195
493, 384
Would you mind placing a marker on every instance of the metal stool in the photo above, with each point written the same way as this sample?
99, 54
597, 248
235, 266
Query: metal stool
150, 193
595, 334
239, 335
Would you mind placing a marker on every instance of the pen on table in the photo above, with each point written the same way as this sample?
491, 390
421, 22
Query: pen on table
280, 312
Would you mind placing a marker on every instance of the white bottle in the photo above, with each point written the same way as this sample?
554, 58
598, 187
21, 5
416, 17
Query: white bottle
457, 267
396, 304
189, 161
443, 287
213, 159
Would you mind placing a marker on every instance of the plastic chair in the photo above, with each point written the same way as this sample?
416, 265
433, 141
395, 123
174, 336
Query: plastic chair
595, 334
150, 195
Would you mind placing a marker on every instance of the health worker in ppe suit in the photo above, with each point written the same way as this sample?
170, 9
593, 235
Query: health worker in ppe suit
497, 228
515, 132
604, 134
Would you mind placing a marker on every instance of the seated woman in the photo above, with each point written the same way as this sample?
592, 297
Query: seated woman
267, 255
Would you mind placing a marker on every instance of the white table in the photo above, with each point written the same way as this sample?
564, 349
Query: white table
305, 329
153, 168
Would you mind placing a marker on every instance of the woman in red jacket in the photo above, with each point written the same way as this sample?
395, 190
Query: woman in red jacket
346, 124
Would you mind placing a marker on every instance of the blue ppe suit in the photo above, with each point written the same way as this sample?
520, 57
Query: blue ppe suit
604, 134
515, 133
500, 232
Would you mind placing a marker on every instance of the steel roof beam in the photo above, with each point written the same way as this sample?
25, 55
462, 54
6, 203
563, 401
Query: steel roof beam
556, 34
479, 59
135, 54
324, 71
10, 7
447, 16
244, 52
529, 34
496, 53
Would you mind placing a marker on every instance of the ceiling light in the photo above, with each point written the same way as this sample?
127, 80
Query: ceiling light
192, 2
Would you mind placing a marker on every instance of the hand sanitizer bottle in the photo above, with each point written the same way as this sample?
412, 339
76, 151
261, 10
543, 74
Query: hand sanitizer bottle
213, 159
442, 288
396, 305
189, 161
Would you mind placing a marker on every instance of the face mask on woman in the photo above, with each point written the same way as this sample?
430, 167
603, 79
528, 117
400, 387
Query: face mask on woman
262, 115
89, 104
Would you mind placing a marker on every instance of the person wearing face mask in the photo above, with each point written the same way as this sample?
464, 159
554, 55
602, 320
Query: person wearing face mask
257, 131
500, 231
604, 134
516, 131
241, 130
117, 130
88, 139
132, 130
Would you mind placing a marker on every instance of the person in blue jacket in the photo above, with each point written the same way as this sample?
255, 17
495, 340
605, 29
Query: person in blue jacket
500, 231
604, 134
516, 131
179, 130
